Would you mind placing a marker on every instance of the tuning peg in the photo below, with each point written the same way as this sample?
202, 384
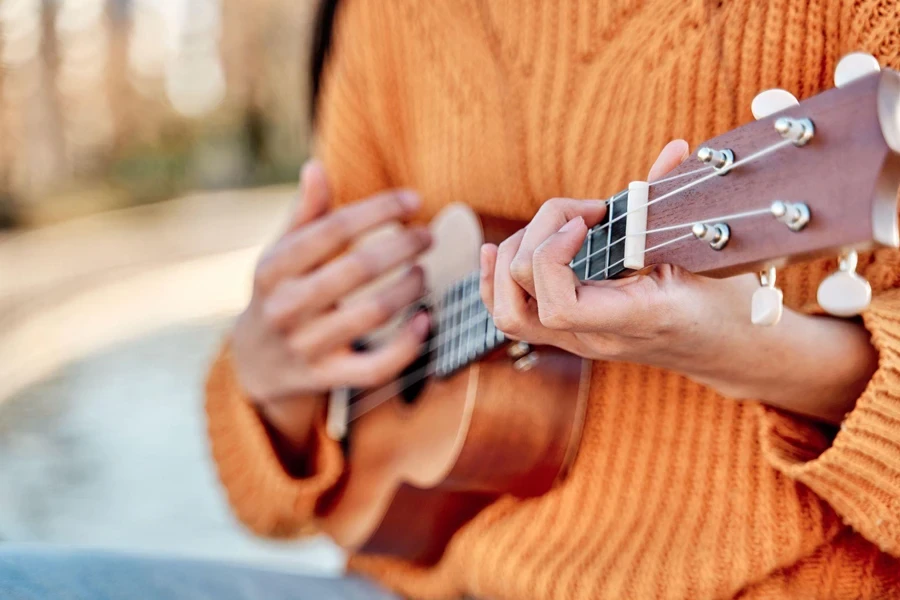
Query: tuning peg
853, 66
845, 293
767, 304
770, 102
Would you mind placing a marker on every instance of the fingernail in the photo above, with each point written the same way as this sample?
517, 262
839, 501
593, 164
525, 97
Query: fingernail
410, 199
421, 324
572, 225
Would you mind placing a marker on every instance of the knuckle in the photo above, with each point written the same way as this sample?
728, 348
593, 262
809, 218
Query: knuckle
555, 205
338, 225
300, 348
363, 265
391, 204
380, 310
520, 269
264, 276
273, 315
508, 323
542, 257
505, 246
553, 317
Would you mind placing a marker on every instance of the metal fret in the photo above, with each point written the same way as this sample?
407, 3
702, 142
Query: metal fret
587, 257
611, 208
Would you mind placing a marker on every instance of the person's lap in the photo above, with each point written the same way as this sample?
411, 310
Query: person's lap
55, 574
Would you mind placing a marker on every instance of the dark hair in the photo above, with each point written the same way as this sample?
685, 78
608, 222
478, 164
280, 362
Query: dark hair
321, 44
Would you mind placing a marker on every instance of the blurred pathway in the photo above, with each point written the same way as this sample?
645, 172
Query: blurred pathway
106, 326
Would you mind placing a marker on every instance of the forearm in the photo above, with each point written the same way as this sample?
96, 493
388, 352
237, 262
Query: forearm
811, 365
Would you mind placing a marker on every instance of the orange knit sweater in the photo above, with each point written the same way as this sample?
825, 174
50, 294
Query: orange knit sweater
676, 491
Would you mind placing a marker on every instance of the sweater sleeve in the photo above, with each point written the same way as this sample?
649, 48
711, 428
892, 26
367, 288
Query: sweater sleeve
264, 496
857, 470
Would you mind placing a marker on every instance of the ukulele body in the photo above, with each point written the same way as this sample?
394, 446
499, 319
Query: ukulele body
418, 468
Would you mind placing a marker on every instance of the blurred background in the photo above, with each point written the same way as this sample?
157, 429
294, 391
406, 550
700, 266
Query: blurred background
148, 149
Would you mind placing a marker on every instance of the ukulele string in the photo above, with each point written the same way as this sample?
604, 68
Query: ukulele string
431, 296
386, 392
732, 217
748, 159
389, 391
624, 193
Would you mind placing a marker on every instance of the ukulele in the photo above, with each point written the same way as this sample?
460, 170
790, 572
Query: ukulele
479, 416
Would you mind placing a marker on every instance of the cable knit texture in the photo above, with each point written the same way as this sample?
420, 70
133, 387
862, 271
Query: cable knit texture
676, 492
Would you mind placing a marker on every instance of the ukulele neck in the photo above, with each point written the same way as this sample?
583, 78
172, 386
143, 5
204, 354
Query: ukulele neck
465, 330
603, 253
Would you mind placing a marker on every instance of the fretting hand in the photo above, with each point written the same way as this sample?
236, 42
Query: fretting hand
669, 317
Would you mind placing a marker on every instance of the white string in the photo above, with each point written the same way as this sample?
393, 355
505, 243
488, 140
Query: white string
419, 374
674, 177
756, 155
651, 249
389, 392
732, 217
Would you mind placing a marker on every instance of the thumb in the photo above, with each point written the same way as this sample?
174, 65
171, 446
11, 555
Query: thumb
314, 195
670, 157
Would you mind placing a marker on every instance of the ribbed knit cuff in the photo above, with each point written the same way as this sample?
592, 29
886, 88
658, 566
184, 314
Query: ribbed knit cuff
264, 496
858, 473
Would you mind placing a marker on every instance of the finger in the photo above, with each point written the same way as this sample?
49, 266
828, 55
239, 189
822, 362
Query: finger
563, 302
341, 327
314, 195
297, 299
381, 365
671, 156
320, 240
486, 276
552, 215
511, 311
555, 282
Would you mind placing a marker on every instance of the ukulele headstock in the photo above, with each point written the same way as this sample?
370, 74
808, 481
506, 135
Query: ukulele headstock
821, 177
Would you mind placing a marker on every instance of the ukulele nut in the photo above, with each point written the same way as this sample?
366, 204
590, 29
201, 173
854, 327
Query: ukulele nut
795, 215
518, 350
798, 131
717, 234
720, 160
527, 362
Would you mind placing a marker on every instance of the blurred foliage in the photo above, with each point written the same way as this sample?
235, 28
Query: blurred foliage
111, 103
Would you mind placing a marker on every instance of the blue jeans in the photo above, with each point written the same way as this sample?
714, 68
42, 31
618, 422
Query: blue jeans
50, 574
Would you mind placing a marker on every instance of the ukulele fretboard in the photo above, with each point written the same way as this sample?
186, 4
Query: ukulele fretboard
465, 329
602, 254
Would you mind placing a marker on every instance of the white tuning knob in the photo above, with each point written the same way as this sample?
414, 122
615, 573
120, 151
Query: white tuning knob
853, 66
845, 293
770, 102
767, 303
